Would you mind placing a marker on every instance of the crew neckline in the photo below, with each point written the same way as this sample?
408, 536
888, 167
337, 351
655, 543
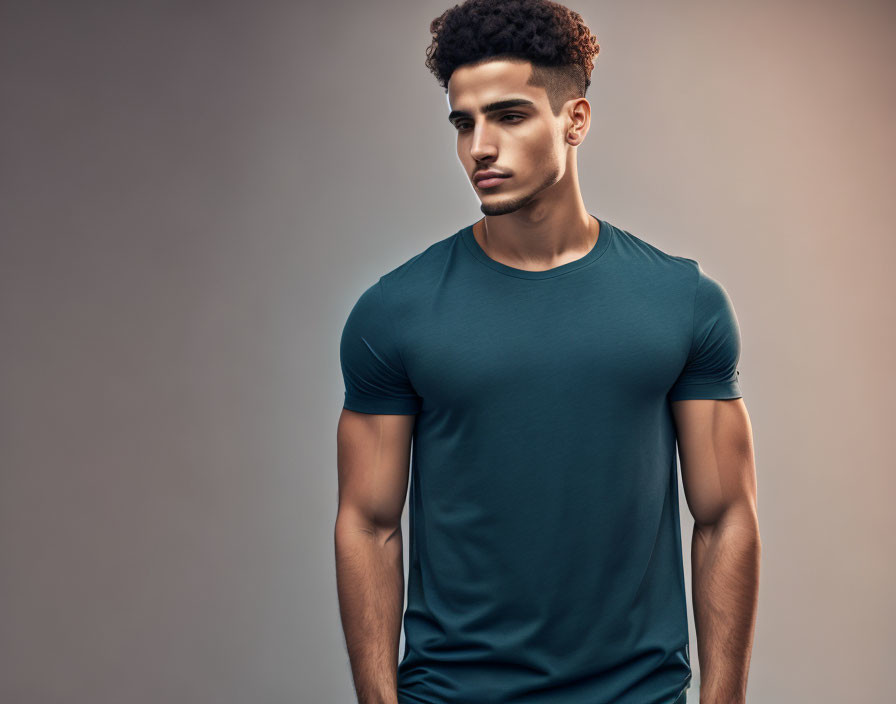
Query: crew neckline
603, 240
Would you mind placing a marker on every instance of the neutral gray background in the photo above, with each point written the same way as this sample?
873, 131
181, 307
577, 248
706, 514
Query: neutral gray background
193, 196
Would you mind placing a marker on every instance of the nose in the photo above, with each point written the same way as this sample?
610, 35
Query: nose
482, 144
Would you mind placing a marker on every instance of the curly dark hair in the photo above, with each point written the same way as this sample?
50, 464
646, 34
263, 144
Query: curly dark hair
552, 37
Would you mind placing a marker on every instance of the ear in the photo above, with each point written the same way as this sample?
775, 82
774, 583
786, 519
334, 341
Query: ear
579, 121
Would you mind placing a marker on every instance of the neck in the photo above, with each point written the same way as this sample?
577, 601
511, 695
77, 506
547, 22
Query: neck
538, 237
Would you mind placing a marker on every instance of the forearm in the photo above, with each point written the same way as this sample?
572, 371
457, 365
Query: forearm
370, 587
725, 585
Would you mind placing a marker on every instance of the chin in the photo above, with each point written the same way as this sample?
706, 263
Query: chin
503, 207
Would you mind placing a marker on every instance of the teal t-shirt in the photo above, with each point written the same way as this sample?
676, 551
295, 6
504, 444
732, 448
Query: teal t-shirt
545, 547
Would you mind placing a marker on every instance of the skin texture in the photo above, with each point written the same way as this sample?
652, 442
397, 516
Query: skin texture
373, 460
718, 472
537, 220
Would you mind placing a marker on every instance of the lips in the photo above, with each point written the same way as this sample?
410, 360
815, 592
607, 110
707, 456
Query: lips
489, 178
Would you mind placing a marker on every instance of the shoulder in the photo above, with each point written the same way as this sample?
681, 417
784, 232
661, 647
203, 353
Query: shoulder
405, 286
422, 266
635, 246
647, 259
375, 298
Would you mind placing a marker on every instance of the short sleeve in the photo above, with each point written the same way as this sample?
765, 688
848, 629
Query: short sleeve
372, 369
711, 368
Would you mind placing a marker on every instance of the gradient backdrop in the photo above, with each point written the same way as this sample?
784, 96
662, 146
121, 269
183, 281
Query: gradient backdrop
194, 194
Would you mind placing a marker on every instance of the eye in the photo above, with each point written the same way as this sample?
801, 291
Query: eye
460, 126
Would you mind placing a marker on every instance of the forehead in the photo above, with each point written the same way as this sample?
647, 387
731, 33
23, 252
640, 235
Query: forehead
472, 86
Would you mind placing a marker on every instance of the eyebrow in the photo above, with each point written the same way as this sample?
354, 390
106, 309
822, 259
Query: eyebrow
492, 107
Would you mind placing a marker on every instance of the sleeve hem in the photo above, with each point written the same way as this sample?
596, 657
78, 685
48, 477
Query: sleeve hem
708, 390
381, 405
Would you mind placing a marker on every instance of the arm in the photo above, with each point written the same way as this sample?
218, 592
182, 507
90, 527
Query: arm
373, 453
719, 477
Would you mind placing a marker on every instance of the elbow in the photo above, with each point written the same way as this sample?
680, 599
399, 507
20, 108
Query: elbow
350, 527
738, 518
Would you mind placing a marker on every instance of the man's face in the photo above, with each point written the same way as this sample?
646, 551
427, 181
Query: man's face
526, 142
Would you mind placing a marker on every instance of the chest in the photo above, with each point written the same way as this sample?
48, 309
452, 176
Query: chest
536, 345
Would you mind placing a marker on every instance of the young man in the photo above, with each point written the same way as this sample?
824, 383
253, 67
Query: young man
544, 362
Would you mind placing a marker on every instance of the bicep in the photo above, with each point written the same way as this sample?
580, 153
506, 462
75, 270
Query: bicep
373, 459
715, 443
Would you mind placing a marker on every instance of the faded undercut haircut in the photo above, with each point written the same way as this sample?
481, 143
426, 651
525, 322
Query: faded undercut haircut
553, 38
